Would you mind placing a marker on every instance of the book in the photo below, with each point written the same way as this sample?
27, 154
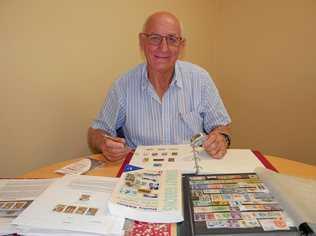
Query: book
247, 204
152, 196
183, 157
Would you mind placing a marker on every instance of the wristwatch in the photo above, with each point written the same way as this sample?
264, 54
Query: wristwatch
227, 139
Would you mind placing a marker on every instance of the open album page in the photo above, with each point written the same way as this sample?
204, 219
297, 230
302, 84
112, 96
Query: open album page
181, 157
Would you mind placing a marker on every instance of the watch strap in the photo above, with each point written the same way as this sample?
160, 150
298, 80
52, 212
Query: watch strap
227, 138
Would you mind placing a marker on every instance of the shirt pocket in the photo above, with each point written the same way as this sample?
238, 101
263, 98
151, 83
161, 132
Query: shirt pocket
192, 121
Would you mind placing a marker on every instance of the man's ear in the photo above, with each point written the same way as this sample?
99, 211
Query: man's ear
182, 49
141, 42
141, 46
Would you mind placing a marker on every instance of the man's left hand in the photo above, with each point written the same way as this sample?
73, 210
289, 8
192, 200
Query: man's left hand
215, 145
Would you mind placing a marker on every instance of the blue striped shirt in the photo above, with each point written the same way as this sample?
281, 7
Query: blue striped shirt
190, 105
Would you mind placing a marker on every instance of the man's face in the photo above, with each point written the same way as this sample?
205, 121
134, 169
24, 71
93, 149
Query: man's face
161, 57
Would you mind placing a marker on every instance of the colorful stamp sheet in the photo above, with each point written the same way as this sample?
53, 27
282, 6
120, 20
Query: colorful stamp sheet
235, 201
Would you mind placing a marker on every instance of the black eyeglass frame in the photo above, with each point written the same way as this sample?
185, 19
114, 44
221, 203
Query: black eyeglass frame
178, 41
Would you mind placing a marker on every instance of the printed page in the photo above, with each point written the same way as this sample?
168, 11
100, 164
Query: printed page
181, 157
73, 203
22, 189
15, 196
296, 194
149, 196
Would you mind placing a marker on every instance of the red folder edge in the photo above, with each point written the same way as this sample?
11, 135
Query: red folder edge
125, 162
267, 164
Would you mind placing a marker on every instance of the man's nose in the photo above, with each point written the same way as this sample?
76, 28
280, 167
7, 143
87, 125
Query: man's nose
164, 45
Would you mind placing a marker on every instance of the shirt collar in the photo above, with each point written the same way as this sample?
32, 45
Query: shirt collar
176, 79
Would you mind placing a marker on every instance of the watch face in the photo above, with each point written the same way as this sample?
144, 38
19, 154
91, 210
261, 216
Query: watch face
198, 139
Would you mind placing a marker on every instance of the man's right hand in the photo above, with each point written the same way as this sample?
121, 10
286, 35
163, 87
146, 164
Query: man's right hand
114, 148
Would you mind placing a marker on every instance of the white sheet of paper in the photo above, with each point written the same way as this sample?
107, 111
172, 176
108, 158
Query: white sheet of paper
78, 167
72, 192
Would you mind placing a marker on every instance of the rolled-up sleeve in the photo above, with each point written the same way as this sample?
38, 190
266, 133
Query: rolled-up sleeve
111, 116
213, 110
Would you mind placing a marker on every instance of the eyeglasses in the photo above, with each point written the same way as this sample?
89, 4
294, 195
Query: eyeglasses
156, 39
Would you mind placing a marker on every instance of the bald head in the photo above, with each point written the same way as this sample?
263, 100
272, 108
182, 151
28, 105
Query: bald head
162, 19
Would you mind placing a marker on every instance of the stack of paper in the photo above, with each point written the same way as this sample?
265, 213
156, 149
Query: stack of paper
73, 205
15, 196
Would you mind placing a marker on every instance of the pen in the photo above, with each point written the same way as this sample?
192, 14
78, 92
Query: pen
110, 137
115, 139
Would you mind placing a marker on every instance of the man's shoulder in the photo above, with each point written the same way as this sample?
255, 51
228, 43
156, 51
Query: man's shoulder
132, 76
136, 70
188, 67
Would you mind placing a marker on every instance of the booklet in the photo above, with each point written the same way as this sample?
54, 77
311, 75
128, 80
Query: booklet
183, 158
235, 204
73, 204
148, 195
81, 166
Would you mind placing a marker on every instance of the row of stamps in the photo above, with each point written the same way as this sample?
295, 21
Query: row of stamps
231, 199
259, 207
156, 153
13, 208
239, 183
239, 177
205, 216
266, 224
248, 187
72, 209
6, 205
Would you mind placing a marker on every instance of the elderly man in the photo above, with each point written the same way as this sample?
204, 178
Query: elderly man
164, 101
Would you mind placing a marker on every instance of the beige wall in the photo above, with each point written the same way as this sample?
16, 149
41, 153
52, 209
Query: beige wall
266, 55
58, 59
